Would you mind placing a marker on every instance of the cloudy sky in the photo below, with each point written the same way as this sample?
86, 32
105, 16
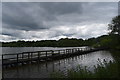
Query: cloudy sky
55, 20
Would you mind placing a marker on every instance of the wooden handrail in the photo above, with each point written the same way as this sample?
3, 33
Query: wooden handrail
35, 56
38, 53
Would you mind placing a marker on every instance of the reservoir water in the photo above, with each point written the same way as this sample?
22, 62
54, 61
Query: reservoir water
44, 69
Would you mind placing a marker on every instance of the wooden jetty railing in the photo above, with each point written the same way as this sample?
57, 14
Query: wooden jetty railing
37, 56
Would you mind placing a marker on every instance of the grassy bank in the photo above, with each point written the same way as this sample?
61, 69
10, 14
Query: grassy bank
102, 70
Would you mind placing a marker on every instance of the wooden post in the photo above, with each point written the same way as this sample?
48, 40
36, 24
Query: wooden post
46, 53
22, 55
28, 57
59, 52
75, 50
2, 67
78, 49
72, 51
52, 53
22, 58
2, 60
38, 55
69, 51
31, 57
17, 59
64, 52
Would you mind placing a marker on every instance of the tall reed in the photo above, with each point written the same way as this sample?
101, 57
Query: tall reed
102, 70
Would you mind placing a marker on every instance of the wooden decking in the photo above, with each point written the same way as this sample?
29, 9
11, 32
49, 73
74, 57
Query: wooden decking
37, 56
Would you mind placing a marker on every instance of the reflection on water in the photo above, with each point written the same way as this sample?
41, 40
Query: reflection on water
43, 70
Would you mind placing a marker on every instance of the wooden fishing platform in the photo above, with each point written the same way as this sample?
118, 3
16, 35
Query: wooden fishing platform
38, 56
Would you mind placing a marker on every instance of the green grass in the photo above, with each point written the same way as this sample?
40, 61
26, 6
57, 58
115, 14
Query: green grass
102, 70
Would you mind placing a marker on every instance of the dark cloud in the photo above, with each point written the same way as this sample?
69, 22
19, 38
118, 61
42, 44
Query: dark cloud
32, 20
33, 16
17, 17
62, 8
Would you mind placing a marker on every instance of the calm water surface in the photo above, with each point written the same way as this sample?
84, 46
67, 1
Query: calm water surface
43, 70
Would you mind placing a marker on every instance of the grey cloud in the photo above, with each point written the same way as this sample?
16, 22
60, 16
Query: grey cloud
17, 18
62, 8
11, 33
33, 16
47, 17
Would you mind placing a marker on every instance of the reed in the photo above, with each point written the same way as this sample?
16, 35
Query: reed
102, 70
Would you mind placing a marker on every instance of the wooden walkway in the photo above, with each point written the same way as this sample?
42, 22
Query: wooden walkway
38, 56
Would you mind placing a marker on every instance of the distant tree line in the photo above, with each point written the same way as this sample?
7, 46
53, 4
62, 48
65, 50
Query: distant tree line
111, 41
63, 42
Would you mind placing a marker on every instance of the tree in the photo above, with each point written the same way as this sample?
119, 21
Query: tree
115, 25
